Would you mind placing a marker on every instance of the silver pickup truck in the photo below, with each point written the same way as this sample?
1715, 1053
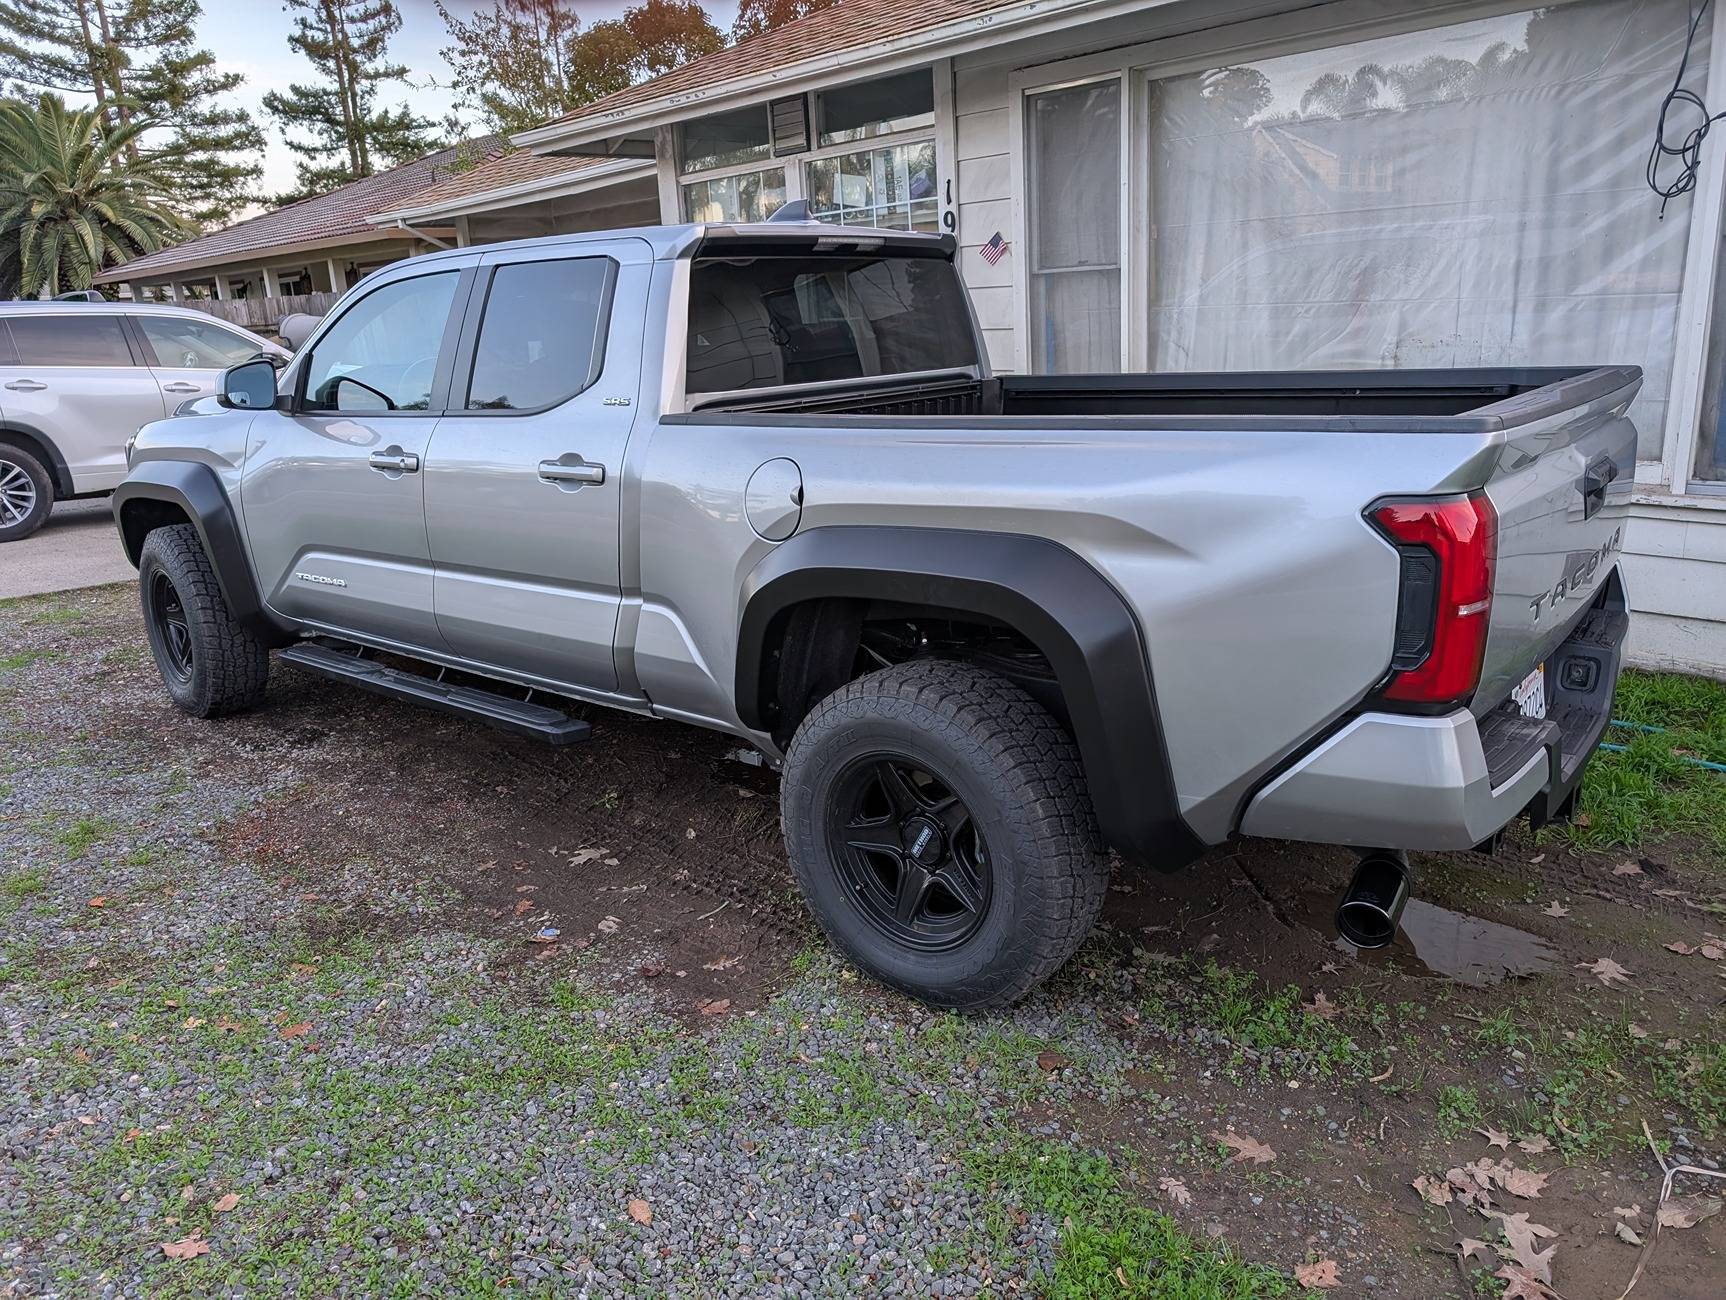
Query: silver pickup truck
761, 479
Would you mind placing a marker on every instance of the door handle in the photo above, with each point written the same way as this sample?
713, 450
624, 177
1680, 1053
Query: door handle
179, 386
394, 460
571, 468
26, 386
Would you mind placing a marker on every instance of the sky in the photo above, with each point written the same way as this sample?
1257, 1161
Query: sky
250, 37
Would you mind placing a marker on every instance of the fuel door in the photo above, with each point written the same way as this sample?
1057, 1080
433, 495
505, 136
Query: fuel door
774, 499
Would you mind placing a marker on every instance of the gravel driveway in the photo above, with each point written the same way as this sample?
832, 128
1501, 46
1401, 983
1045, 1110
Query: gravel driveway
338, 998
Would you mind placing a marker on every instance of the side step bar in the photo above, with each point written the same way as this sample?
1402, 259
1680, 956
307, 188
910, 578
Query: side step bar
519, 717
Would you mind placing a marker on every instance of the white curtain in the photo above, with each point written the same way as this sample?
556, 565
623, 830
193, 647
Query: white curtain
1074, 158
1471, 195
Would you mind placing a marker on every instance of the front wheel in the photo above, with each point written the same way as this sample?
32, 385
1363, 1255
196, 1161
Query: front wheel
937, 820
209, 663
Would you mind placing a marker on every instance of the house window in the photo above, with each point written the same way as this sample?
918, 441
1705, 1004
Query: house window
891, 187
888, 105
1467, 195
725, 140
1073, 174
744, 196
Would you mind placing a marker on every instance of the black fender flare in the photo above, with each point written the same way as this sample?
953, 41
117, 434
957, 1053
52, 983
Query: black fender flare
1068, 610
196, 492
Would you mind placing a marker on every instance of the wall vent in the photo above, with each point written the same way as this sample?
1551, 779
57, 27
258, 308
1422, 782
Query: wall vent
790, 119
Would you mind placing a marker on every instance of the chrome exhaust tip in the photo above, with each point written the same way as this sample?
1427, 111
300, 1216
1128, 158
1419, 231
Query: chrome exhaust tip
1371, 908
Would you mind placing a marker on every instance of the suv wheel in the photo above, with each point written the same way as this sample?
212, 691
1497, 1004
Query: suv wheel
26, 493
937, 821
209, 663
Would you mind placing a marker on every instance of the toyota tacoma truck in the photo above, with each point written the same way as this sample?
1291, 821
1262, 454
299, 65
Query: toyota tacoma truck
761, 479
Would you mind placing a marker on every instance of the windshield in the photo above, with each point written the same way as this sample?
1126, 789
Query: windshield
759, 322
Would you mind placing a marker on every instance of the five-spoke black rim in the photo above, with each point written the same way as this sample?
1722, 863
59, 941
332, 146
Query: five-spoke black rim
169, 614
909, 853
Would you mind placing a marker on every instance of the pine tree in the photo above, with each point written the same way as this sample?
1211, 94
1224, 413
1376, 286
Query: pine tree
345, 135
525, 61
139, 59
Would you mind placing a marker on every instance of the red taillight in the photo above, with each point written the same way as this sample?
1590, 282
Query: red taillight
1461, 535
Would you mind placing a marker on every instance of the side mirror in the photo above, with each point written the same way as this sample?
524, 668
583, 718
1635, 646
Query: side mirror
249, 386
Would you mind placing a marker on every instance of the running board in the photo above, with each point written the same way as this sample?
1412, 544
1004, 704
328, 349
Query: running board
518, 717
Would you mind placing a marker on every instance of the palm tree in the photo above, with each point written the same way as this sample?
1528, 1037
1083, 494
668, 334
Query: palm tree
76, 195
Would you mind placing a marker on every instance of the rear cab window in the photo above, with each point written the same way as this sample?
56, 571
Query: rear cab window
74, 339
763, 322
541, 340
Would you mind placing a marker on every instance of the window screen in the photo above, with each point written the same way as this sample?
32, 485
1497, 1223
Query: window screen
870, 108
74, 339
759, 322
539, 341
726, 139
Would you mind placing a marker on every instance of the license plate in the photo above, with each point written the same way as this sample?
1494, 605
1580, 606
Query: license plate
1530, 696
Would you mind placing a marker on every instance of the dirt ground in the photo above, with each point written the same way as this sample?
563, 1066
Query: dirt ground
1212, 1006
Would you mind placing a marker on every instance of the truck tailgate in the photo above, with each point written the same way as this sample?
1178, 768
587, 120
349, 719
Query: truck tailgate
1561, 490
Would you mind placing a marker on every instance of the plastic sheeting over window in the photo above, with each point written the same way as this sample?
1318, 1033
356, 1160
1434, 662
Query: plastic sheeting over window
1470, 195
1073, 154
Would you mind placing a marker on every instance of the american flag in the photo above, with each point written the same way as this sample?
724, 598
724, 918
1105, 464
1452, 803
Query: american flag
995, 249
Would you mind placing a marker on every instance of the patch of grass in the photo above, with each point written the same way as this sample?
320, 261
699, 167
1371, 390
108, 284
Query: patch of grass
1273, 1021
1648, 791
60, 614
83, 835
20, 886
10, 664
1459, 1109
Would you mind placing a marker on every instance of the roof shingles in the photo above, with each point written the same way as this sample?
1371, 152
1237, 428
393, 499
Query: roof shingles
517, 167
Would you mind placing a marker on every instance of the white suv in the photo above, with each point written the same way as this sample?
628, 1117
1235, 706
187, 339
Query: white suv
77, 380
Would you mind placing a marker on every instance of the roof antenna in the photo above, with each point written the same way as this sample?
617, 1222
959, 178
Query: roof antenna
796, 210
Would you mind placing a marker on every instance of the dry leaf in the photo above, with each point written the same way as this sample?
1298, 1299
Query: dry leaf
608, 925
1494, 1138
1524, 1183
1521, 1284
523, 906
640, 1210
1607, 971
1245, 1148
1555, 908
186, 1248
581, 856
1049, 1062
1688, 1211
226, 1202
1680, 947
715, 1006
1175, 1190
1471, 1248
1522, 1236
186, 1193
1434, 1192
297, 1031
1635, 1030
1627, 869
1534, 1145
1322, 1007
724, 963
1713, 951
1625, 1233
1321, 1276
1633, 1212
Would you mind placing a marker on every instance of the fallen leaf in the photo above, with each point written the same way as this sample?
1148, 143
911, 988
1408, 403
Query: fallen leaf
1688, 1211
1534, 1145
1524, 1183
1521, 1284
689, 834
581, 856
186, 1193
1625, 1233
1321, 1276
640, 1210
1522, 1236
1607, 971
1322, 1007
1049, 1062
1121, 1277
1681, 948
523, 906
1627, 869
715, 1006
297, 1031
651, 970
1555, 908
1537, 859
1494, 1138
1713, 951
1471, 1248
192, 1022
86, 1120
1175, 1190
186, 1248
724, 963
1635, 1211
1245, 1148
226, 1202
1434, 1192
1635, 1030
608, 925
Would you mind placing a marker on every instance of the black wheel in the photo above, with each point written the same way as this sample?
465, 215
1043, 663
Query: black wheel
209, 663
937, 821
26, 493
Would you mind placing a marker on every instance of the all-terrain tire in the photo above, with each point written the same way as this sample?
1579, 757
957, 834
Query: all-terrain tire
22, 478
985, 740
213, 665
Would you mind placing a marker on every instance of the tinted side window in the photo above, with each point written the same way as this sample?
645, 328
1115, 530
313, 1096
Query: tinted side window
382, 354
192, 345
70, 340
762, 321
539, 341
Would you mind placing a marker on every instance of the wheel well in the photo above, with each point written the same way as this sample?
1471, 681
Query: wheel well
44, 451
141, 516
814, 647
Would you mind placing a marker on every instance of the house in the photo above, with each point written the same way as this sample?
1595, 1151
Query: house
301, 257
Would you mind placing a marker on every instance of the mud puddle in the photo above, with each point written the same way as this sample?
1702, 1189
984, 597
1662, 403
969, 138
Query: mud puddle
1440, 942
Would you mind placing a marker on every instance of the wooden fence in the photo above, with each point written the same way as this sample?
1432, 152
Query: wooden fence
263, 314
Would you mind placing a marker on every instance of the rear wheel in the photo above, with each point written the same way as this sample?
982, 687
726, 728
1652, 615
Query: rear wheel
26, 493
936, 818
209, 663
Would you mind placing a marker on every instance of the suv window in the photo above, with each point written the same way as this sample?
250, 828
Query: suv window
177, 343
761, 321
74, 339
538, 342
382, 354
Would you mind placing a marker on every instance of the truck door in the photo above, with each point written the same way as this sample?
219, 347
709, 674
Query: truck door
333, 491
525, 471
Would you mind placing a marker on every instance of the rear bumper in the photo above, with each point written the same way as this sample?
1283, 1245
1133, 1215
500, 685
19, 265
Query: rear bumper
1393, 781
